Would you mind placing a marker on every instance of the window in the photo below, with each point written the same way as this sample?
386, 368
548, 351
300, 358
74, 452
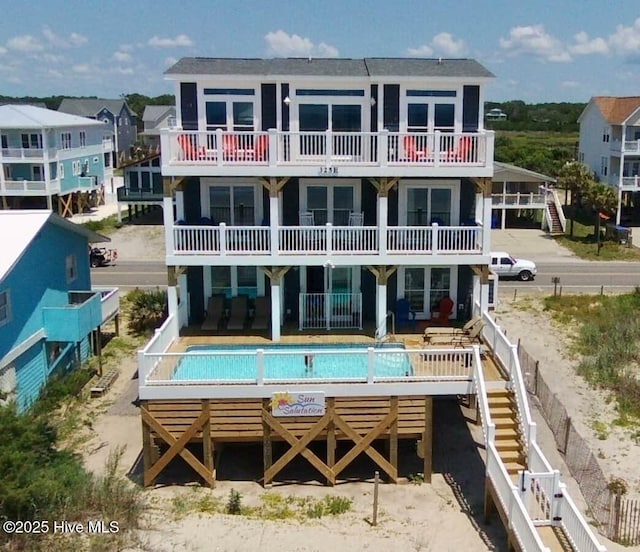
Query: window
414, 288
32, 141
107, 160
65, 140
426, 206
60, 170
604, 166
605, 135
233, 205
5, 307
231, 280
4, 142
71, 268
83, 139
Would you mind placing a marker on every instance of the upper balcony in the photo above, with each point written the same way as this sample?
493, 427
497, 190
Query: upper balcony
10, 187
72, 322
13, 154
312, 245
628, 147
349, 154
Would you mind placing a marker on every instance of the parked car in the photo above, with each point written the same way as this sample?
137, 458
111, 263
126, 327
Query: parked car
506, 266
101, 256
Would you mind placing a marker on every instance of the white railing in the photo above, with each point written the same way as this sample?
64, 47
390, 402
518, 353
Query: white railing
25, 153
556, 201
538, 493
329, 310
488, 427
631, 181
107, 144
326, 240
24, 186
327, 148
151, 355
632, 146
367, 365
110, 301
518, 199
506, 492
575, 527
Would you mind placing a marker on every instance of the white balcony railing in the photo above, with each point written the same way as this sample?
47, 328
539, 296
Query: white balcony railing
524, 200
632, 182
110, 300
31, 187
328, 239
326, 149
632, 146
25, 153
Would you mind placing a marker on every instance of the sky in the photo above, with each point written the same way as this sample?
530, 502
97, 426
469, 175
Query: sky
539, 50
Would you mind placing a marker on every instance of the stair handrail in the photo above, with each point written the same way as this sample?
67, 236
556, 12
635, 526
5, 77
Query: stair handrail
488, 427
561, 217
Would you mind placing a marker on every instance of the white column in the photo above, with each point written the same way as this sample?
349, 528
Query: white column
275, 310
619, 211
183, 297
179, 205
172, 301
486, 219
383, 218
274, 218
478, 213
484, 297
381, 310
167, 216
504, 219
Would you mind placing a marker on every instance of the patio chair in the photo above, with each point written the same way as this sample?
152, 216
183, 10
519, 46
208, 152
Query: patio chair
356, 219
262, 313
238, 312
443, 331
445, 308
230, 147
463, 151
404, 315
214, 313
191, 150
474, 336
261, 148
306, 218
412, 152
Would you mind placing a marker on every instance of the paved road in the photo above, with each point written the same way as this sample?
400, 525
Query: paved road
128, 275
575, 275
584, 276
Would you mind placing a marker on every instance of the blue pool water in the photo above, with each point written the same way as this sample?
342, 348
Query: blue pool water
281, 362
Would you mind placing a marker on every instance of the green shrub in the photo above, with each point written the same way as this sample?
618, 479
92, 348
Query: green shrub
148, 309
234, 504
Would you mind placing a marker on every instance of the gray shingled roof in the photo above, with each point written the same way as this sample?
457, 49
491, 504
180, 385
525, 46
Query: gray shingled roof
89, 107
154, 112
331, 67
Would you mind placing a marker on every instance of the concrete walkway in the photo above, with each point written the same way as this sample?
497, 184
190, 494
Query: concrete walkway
532, 244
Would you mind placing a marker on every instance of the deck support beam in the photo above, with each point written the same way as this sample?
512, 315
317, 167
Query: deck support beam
427, 439
382, 274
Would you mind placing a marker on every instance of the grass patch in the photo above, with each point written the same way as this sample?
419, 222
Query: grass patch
608, 339
584, 245
105, 226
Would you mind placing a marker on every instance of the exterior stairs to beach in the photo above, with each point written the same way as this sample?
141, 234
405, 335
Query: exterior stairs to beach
556, 225
508, 440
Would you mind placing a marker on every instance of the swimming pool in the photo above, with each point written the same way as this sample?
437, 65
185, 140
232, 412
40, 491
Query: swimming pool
281, 362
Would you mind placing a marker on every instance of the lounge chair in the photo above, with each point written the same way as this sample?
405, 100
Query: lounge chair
238, 312
404, 315
262, 314
437, 331
459, 340
214, 312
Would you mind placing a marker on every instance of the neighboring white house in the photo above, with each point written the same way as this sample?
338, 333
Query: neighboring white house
610, 144
154, 118
496, 114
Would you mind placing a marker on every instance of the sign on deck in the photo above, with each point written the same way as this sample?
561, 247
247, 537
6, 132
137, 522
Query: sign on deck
285, 404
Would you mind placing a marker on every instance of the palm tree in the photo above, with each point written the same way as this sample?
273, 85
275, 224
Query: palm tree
602, 199
577, 178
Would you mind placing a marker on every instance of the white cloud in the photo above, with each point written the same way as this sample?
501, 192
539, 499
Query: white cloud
25, 43
122, 56
534, 40
82, 68
73, 40
282, 44
585, 45
570, 84
626, 40
124, 70
442, 43
3, 50
167, 42
53, 73
420, 51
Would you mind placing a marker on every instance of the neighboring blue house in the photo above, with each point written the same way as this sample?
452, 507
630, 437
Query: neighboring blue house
52, 160
116, 113
48, 309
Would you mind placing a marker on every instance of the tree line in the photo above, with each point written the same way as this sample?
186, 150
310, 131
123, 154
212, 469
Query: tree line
549, 117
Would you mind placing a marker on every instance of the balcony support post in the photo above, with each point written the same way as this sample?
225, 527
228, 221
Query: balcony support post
619, 209
383, 219
167, 215
275, 310
486, 221
274, 217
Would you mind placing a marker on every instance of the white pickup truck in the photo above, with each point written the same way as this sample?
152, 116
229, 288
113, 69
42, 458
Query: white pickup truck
506, 266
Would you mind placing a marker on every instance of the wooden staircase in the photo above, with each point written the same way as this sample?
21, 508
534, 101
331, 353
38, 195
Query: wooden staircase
509, 440
556, 226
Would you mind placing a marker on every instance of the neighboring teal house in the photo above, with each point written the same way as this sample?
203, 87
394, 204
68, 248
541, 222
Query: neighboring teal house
48, 309
53, 160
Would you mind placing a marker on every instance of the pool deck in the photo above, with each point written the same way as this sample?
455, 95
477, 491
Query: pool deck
412, 341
